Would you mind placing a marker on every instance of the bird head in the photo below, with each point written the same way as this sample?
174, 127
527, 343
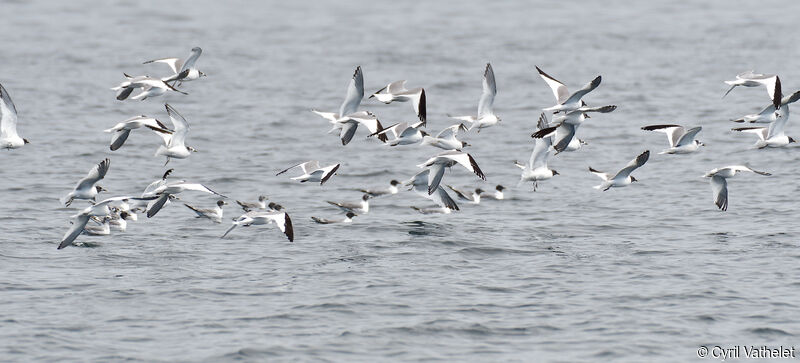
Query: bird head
100, 189
191, 149
555, 172
633, 179
791, 140
220, 203
394, 182
26, 141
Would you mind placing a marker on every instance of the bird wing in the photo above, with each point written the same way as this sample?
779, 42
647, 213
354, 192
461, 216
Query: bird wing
174, 63
688, 137
189, 63
466, 160
719, 187
180, 126
489, 91
435, 177
396, 87
327, 172
8, 123
118, 139
330, 116
674, 132
760, 131
77, 227
348, 131
575, 97
559, 89
633, 165
541, 150
451, 131
98, 172
776, 127
355, 92
564, 135
443, 199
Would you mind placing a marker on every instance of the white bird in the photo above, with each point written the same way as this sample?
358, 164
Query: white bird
184, 71
473, 197
362, 207
214, 214
281, 220
312, 172
681, 140
251, 206
751, 79
119, 219
86, 188
102, 229
392, 189
151, 87
769, 113
562, 95
348, 118
536, 168
771, 136
566, 127
404, 134
396, 91
566, 102
174, 144
447, 138
123, 129
348, 218
166, 191
419, 184
486, 116
9, 139
623, 177
447, 159
719, 184
496, 195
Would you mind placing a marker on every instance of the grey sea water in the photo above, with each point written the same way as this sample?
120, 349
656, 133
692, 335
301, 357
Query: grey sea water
645, 273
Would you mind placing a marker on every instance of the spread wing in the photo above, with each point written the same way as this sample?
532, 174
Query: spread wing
189, 63
674, 132
8, 123
589, 87
689, 136
355, 92
466, 160
396, 87
719, 187
306, 166
541, 150
451, 131
174, 63
559, 89
78, 224
633, 165
179, 125
489, 91
98, 172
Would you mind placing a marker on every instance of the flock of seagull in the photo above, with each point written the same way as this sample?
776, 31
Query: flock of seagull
551, 137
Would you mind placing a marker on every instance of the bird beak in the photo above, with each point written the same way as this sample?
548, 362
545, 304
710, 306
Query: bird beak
26, 141
372, 96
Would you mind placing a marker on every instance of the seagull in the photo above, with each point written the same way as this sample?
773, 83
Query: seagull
769, 113
166, 191
79, 221
719, 184
562, 95
437, 210
348, 218
446, 139
312, 172
174, 143
103, 229
148, 191
623, 177
396, 91
358, 208
681, 141
348, 118
496, 195
566, 102
392, 189
536, 169
184, 71
472, 197
123, 129
151, 87
9, 139
251, 206
768, 136
214, 214
119, 219
281, 219
86, 188
486, 116
750, 79
404, 134
438, 163
419, 184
